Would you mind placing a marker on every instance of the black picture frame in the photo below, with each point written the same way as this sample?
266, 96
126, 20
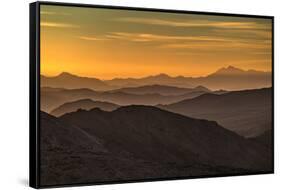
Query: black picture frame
34, 87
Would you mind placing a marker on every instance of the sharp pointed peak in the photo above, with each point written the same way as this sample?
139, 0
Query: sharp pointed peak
65, 74
200, 87
229, 69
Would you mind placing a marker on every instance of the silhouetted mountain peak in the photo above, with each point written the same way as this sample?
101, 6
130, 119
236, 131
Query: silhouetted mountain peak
66, 74
161, 75
229, 70
97, 110
139, 108
231, 67
201, 88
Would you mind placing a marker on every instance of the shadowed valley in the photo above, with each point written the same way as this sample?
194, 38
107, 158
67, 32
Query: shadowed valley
141, 142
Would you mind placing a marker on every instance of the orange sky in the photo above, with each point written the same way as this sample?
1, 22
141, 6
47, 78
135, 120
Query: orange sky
107, 43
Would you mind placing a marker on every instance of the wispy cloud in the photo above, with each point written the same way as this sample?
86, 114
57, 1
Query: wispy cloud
146, 37
91, 38
47, 13
248, 33
225, 46
42, 12
193, 23
58, 25
190, 42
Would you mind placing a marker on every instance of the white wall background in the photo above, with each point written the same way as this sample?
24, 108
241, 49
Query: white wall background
14, 70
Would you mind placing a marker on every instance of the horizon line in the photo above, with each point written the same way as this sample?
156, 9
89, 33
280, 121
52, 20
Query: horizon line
153, 75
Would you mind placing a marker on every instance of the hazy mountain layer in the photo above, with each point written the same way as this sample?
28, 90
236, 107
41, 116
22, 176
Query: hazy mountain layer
229, 78
70, 81
51, 98
161, 89
248, 112
85, 104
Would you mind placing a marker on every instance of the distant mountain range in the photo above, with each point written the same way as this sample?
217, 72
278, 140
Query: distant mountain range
70, 81
141, 142
161, 89
248, 112
160, 79
85, 104
51, 98
232, 78
229, 78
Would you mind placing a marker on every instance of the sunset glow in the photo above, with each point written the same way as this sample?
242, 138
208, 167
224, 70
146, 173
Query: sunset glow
107, 43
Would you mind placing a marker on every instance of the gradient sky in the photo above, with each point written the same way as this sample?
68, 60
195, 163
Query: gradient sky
107, 43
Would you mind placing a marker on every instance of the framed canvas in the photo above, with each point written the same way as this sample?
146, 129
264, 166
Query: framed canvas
120, 94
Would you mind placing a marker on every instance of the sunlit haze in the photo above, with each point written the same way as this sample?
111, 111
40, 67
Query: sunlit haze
108, 43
